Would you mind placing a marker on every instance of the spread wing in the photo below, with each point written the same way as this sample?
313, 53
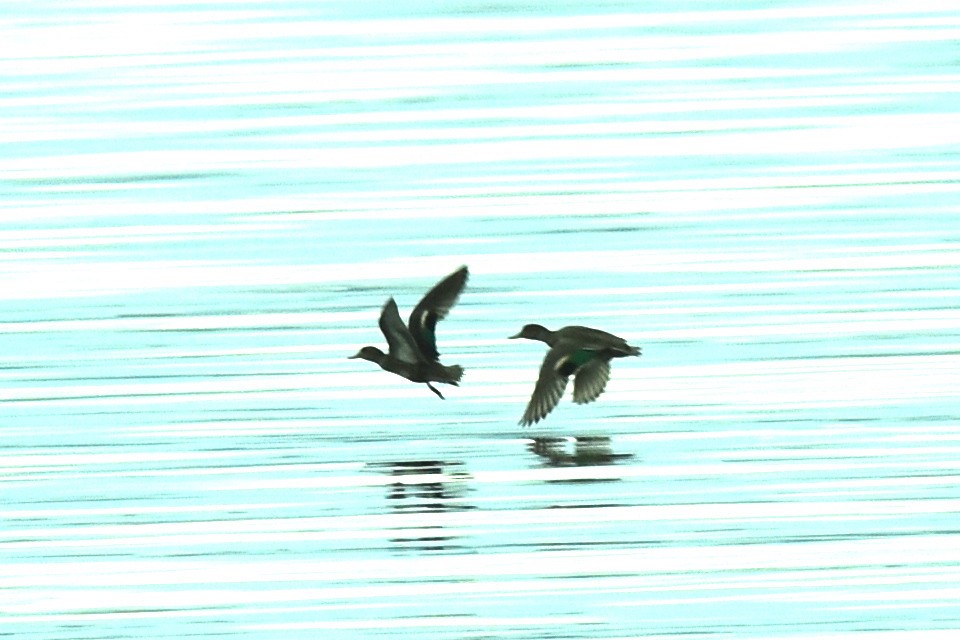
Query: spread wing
434, 307
590, 380
402, 345
550, 386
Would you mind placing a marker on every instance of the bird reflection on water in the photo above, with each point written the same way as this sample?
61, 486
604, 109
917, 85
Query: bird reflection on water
579, 451
426, 486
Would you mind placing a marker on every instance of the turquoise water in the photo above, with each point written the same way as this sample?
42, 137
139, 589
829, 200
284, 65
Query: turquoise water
205, 207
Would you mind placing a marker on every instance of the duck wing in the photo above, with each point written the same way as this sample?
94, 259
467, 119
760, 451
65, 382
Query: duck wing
554, 373
401, 343
590, 380
434, 307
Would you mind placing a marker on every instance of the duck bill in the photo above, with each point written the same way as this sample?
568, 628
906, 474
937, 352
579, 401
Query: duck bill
519, 335
354, 356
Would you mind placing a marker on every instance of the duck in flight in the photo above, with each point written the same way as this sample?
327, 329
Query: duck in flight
581, 352
412, 349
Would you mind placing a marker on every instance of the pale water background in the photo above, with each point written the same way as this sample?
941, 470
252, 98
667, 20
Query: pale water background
204, 207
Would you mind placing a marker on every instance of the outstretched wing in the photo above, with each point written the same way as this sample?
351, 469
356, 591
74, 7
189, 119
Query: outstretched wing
554, 373
590, 380
434, 307
401, 343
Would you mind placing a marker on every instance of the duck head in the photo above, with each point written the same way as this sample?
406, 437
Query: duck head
368, 353
533, 332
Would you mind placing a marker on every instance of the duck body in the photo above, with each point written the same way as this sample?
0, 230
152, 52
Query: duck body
412, 349
581, 352
584, 337
423, 371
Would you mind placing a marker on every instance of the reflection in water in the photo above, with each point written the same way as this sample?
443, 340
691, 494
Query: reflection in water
426, 486
579, 451
200, 221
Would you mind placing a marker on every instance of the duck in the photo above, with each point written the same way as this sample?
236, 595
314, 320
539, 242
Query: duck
412, 348
582, 352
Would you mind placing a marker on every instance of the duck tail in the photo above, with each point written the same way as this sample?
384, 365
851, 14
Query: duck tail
634, 351
453, 373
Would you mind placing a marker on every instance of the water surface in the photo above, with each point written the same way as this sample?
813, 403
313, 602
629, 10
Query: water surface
205, 207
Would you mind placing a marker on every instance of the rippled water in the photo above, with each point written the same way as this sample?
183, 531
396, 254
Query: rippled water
205, 207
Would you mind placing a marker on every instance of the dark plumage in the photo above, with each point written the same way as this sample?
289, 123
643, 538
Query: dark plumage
582, 352
412, 350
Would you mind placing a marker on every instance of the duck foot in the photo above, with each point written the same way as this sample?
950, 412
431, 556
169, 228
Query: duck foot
436, 391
